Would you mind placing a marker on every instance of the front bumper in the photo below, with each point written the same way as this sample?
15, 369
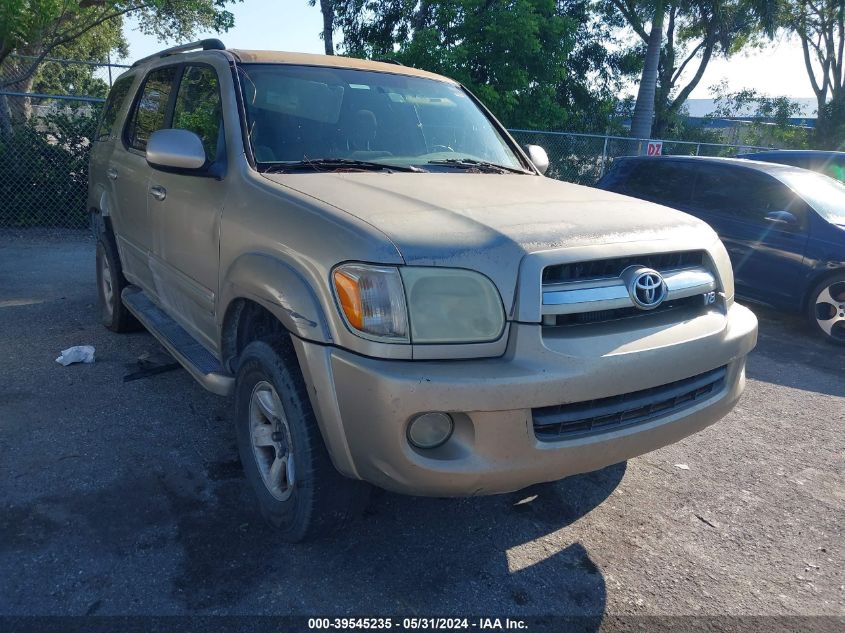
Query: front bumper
364, 405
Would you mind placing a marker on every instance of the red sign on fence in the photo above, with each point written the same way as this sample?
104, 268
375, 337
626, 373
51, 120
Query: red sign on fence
654, 148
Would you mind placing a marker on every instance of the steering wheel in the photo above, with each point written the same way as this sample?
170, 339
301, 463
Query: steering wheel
441, 148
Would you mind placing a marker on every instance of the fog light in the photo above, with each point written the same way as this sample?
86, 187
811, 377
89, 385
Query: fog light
430, 430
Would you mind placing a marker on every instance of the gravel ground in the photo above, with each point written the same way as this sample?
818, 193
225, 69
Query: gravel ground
128, 498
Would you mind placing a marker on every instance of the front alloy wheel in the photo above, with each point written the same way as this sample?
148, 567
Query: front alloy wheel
827, 309
272, 444
281, 447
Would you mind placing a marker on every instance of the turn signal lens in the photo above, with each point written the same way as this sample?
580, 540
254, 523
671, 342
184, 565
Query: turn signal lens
372, 300
349, 296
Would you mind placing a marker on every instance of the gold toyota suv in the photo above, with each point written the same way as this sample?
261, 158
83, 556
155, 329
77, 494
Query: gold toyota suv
390, 289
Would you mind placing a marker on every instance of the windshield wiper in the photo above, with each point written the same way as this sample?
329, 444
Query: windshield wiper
471, 163
319, 164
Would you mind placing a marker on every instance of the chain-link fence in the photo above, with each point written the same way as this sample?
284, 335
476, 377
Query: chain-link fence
44, 164
47, 123
584, 158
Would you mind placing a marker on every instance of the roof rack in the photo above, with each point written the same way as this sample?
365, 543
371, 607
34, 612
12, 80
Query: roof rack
211, 44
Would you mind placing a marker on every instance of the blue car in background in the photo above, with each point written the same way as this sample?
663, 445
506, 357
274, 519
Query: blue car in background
828, 163
783, 226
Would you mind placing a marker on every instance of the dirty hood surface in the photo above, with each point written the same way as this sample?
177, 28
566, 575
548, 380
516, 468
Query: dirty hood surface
488, 222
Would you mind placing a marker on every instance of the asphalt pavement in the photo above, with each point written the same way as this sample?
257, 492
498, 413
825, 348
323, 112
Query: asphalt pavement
122, 498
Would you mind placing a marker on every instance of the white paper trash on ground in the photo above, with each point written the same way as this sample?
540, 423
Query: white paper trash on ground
76, 354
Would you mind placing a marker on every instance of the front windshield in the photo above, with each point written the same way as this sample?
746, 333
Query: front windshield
825, 195
299, 114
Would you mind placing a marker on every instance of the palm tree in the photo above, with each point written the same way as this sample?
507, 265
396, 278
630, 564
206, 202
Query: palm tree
327, 7
644, 109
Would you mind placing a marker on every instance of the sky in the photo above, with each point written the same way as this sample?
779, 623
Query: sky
293, 25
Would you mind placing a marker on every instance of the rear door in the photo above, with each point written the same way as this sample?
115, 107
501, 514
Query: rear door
130, 172
767, 257
106, 142
185, 209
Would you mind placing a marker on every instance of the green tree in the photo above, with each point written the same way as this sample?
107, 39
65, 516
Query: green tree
39, 27
768, 120
327, 8
695, 31
641, 122
96, 45
820, 25
100, 45
534, 63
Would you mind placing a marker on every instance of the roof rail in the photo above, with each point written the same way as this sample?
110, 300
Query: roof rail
211, 44
389, 61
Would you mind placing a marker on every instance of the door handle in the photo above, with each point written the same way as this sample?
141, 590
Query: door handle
111, 172
158, 192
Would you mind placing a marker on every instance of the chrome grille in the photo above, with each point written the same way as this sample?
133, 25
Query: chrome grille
596, 289
567, 421
687, 305
613, 267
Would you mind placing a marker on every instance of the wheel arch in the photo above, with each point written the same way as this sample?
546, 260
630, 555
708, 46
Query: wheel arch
247, 320
816, 280
101, 223
257, 286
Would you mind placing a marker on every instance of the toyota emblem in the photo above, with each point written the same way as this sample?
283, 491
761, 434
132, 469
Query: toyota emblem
647, 289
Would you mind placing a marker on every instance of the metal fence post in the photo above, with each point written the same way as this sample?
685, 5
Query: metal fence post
603, 157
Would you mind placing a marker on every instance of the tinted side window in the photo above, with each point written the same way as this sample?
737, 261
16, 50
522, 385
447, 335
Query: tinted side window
661, 181
150, 110
198, 106
117, 96
741, 193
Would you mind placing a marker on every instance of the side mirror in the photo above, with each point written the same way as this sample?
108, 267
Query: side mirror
175, 149
782, 219
537, 155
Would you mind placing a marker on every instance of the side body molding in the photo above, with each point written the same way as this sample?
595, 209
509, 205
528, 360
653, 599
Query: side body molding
279, 287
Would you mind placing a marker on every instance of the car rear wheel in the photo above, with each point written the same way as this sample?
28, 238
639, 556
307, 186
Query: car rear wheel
110, 283
281, 448
827, 309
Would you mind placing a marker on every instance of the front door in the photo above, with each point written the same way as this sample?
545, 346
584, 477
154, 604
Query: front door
185, 210
767, 256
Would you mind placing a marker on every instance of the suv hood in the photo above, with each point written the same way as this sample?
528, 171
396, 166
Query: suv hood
488, 222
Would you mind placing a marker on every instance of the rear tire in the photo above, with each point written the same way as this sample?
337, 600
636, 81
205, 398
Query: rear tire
299, 490
826, 309
110, 284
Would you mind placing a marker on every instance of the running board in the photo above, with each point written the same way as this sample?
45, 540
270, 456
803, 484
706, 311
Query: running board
199, 362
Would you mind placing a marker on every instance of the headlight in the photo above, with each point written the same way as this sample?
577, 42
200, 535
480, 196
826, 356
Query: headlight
442, 305
448, 305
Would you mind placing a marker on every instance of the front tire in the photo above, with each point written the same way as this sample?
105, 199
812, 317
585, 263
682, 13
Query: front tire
826, 309
282, 451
